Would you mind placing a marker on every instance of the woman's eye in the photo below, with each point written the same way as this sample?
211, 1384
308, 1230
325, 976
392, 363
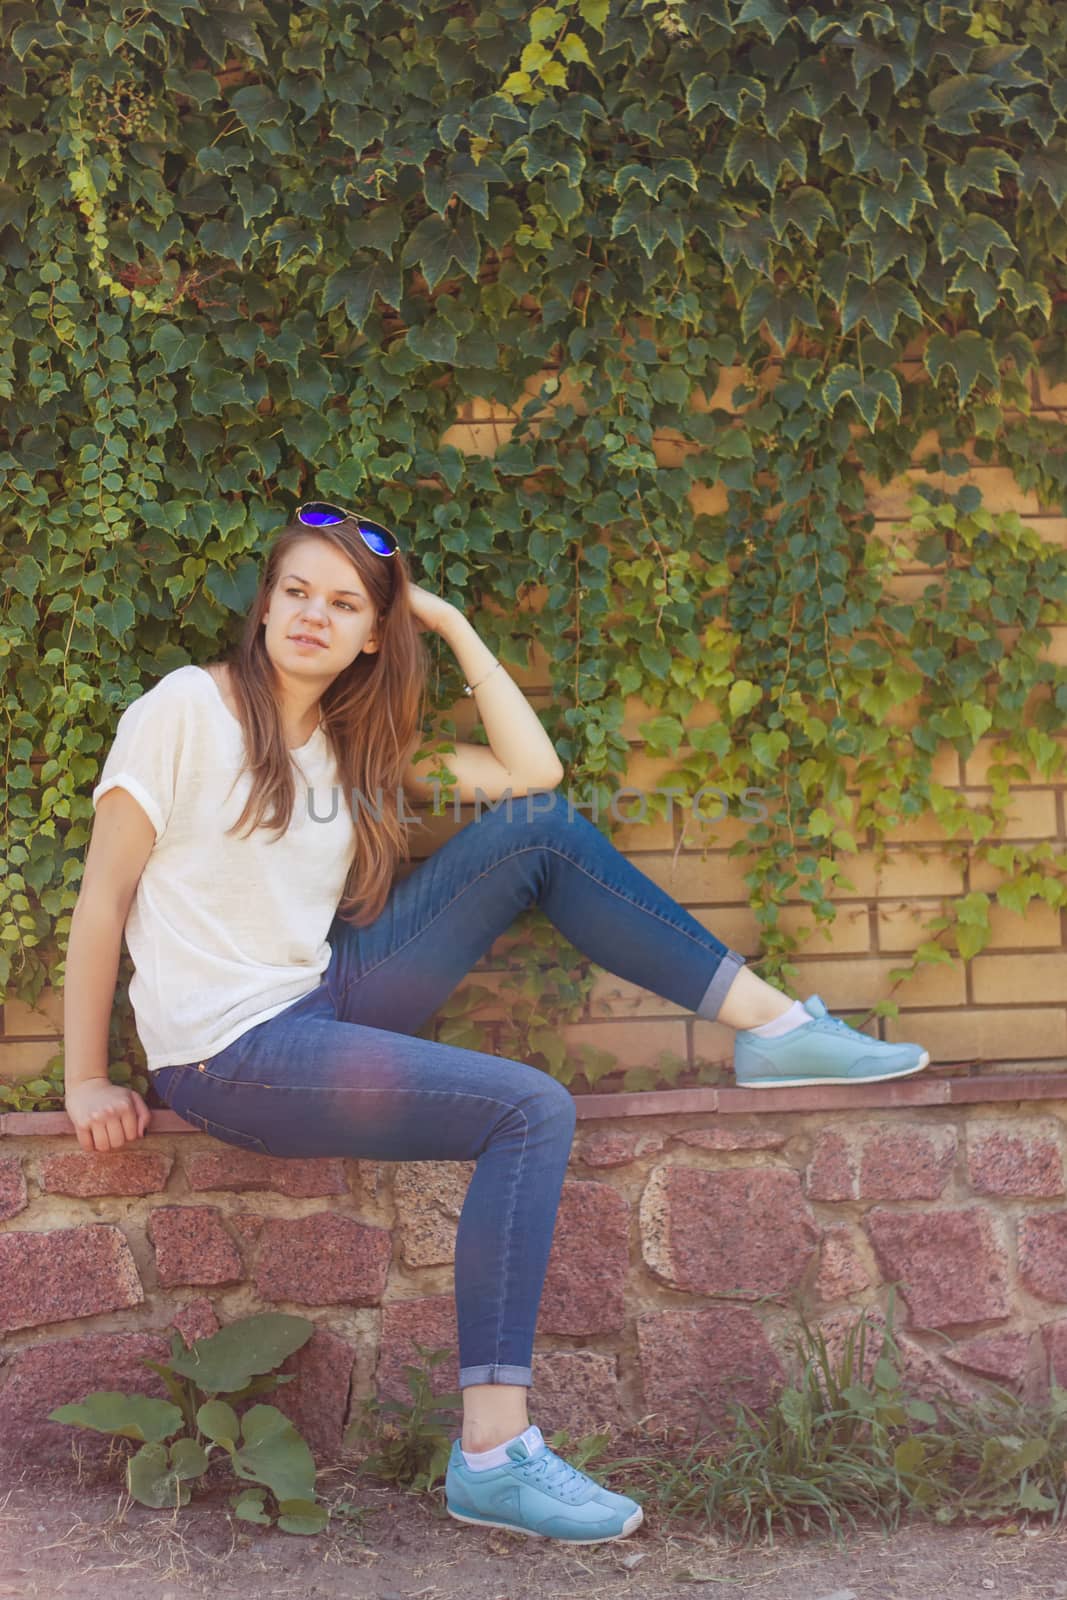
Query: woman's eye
340, 602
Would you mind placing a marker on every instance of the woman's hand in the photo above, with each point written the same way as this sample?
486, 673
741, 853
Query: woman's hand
105, 1114
431, 613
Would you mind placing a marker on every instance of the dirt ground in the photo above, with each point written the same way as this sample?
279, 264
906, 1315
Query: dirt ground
77, 1533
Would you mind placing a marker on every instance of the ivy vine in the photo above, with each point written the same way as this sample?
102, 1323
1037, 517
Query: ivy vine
252, 252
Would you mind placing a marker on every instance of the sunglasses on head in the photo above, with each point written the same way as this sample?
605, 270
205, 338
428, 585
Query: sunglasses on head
320, 514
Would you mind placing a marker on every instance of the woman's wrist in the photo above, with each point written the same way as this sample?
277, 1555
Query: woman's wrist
476, 660
469, 688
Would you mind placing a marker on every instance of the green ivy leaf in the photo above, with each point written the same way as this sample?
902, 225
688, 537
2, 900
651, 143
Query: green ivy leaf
222, 26
871, 55
955, 102
726, 93
663, 733
254, 199
971, 279
257, 105
768, 747
890, 243
175, 348
234, 590
712, 739
26, 576
651, 179
900, 202
1048, 166
969, 355
773, 16
975, 236
866, 391
742, 697
1025, 293
470, 180
780, 309
867, 654
980, 169
929, 952
766, 155
116, 616
357, 285
733, 444
804, 208
903, 684
880, 305
979, 719
35, 36
651, 223
433, 340
434, 244
594, 12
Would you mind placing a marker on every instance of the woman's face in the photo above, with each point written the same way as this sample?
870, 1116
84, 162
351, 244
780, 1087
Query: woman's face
320, 595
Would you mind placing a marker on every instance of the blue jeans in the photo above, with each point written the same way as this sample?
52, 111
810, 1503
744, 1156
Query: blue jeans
338, 1073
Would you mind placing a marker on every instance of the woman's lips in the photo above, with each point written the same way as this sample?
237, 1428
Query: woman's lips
306, 644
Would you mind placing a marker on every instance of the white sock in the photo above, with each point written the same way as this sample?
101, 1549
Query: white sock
479, 1460
795, 1017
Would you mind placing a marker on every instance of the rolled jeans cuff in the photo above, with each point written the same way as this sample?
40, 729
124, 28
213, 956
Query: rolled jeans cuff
716, 991
495, 1374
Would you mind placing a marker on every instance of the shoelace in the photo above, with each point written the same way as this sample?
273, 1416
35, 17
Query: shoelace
550, 1471
836, 1022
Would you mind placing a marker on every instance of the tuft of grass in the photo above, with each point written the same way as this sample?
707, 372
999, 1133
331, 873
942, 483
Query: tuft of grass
843, 1445
818, 1458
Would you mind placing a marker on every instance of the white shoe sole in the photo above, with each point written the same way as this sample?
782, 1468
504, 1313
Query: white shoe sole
806, 1083
633, 1521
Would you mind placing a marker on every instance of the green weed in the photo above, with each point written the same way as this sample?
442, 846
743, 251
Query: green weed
843, 1444
412, 1442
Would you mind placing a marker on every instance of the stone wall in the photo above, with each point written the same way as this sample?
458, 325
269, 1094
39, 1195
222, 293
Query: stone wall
695, 1228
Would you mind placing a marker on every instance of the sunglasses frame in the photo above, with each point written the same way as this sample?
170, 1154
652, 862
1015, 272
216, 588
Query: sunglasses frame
350, 516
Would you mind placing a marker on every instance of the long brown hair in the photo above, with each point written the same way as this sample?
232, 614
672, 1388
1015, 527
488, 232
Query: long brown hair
372, 716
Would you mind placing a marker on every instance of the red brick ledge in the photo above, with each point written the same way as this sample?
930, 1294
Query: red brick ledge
904, 1092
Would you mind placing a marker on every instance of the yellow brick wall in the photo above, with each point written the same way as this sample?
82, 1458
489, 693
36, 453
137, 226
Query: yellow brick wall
1006, 1008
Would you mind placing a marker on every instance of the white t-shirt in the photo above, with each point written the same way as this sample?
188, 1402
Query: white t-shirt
223, 931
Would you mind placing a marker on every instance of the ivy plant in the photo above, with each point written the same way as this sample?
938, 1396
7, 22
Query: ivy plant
723, 263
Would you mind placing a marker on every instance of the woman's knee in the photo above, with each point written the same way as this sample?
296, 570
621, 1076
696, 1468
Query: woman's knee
555, 1104
540, 1101
543, 814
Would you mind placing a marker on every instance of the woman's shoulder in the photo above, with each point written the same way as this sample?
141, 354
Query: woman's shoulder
180, 684
220, 672
217, 670
186, 685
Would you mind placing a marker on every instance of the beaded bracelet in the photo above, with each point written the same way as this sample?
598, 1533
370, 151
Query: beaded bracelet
470, 688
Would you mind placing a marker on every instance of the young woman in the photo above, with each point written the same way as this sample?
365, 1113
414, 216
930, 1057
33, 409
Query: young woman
281, 973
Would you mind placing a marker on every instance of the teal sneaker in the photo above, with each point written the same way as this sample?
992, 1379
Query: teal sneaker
539, 1493
824, 1050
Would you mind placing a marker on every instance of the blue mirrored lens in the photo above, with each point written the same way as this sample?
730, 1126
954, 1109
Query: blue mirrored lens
377, 541
320, 515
